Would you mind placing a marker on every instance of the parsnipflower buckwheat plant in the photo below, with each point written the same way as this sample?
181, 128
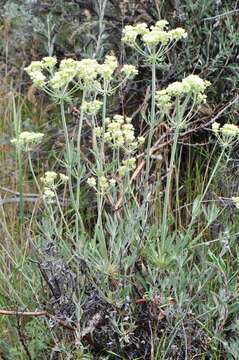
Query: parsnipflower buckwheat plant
152, 44
115, 146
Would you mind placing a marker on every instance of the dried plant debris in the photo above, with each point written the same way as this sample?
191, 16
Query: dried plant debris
130, 331
61, 282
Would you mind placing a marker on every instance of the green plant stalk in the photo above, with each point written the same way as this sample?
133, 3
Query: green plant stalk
168, 187
99, 224
17, 125
20, 186
152, 122
213, 173
78, 159
205, 191
69, 169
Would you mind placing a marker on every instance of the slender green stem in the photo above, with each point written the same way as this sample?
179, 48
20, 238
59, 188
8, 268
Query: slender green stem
20, 185
167, 190
69, 159
213, 174
17, 126
78, 158
99, 225
152, 123
103, 124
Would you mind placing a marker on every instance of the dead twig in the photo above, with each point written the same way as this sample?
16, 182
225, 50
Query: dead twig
221, 15
37, 314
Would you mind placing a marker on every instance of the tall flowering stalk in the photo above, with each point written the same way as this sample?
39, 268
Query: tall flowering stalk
177, 102
152, 43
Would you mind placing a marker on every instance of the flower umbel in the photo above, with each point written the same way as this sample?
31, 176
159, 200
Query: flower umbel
28, 140
156, 35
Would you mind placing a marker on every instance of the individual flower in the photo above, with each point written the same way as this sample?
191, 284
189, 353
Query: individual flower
129, 35
215, 127
141, 140
161, 24
92, 107
34, 70
34, 66
48, 195
64, 178
155, 37
49, 62
107, 69
122, 170
129, 71
235, 200
178, 88
103, 183
28, 140
230, 130
141, 28
163, 100
178, 33
112, 182
91, 182
61, 79
49, 178
195, 83
130, 163
87, 72
98, 131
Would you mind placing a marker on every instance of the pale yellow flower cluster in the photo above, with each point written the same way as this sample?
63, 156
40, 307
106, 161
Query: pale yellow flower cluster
191, 85
153, 36
84, 73
48, 195
48, 180
228, 134
230, 130
92, 107
129, 71
36, 68
119, 132
104, 183
107, 69
28, 140
128, 165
